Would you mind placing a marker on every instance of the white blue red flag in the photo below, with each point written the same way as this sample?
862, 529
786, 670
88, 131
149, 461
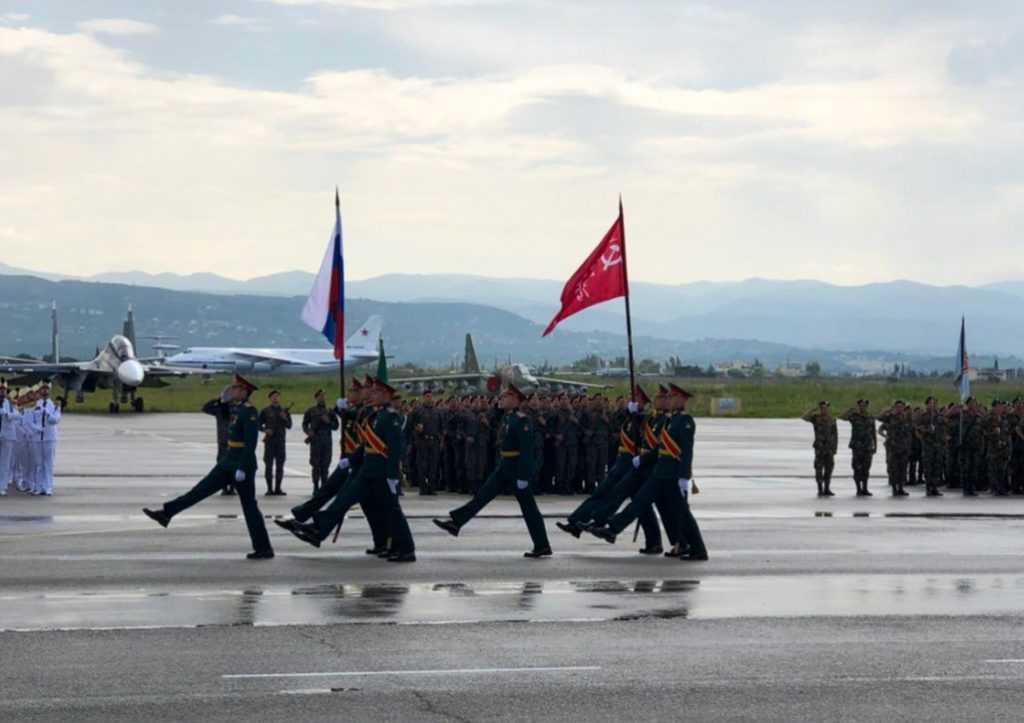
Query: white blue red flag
963, 379
325, 306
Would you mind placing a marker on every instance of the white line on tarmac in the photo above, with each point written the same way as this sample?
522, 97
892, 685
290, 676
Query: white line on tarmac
454, 671
1006, 660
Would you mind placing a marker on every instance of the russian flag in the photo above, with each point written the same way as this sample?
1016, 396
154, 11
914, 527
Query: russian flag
325, 306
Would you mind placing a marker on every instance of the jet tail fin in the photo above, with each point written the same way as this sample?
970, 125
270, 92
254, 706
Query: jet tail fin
470, 365
366, 336
54, 343
128, 330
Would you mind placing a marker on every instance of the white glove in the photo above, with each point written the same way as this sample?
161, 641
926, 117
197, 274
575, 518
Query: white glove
636, 463
239, 475
522, 484
685, 486
341, 403
344, 464
633, 407
393, 486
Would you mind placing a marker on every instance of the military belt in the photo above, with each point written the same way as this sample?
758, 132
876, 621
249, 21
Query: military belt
508, 454
232, 444
666, 453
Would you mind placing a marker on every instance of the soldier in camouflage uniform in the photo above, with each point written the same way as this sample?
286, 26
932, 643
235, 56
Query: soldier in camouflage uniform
476, 434
826, 444
274, 421
425, 425
863, 444
997, 448
1014, 418
899, 430
931, 430
599, 429
318, 423
915, 475
973, 444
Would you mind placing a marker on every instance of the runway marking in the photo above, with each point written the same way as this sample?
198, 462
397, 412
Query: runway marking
451, 671
1006, 660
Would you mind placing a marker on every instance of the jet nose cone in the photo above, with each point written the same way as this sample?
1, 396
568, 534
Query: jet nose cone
130, 373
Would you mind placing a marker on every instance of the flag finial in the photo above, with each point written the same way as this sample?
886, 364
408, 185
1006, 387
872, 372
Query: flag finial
337, 198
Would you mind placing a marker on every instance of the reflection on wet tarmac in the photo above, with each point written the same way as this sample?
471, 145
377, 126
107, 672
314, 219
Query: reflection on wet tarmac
576, 601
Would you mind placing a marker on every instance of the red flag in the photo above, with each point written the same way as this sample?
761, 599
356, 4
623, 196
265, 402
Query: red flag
601, 277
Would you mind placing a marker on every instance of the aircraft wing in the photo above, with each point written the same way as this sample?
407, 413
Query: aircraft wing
25, 372
569, 383
272, 357
159, 370
439, 379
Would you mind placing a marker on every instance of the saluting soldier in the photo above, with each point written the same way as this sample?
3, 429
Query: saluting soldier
318, 423
220, 409
826, 444
275, 421
863, 444
238, 466
512, 474
931, 430
899, 431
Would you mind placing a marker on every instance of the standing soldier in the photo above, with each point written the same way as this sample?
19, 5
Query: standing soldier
899, 431
44, 419
512, 474
275, 421
238, 466
318, 423
931, 430
826, 444
9, 422
1014, 419
863, 444
599, 427
426, 441
476, 432
220, 409
997, 448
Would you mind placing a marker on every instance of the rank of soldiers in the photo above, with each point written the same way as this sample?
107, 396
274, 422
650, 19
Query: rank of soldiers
965, 447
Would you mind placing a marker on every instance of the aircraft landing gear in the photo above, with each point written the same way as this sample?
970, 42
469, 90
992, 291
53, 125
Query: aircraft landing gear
114, 408
138, 405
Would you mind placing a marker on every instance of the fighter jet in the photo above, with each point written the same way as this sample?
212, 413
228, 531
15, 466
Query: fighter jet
360, 348
473, 380
116, 367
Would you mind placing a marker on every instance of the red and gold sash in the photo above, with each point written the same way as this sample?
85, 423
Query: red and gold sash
650, 439
668, 445
626, 443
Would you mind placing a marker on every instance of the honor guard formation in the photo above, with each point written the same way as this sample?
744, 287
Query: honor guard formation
962, 447
637, 453
28, 440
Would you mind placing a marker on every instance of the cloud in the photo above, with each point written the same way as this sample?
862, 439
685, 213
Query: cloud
14, 17
385, 5
239, 21
117, 26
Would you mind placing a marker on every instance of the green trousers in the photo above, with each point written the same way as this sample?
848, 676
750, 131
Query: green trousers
219, 477
503, 479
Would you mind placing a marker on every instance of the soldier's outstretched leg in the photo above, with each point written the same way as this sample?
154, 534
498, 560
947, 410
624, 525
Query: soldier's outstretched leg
302, 512
317, 530
488, 491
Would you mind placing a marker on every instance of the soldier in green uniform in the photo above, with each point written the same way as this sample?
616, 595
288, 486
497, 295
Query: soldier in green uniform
898, 433
597, 428
318, 423
238, 466
826, 444
275, 421
863, 443
997, 449
426, 436
513, 473
377, 479
671, 482
931, 430
629, 441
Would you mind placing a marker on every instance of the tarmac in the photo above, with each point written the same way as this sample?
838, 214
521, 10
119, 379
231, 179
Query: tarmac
809, 609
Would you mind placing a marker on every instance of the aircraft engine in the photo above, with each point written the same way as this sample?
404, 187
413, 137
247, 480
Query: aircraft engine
130, 373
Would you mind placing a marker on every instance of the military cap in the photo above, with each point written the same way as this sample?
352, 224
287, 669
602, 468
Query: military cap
511, 389
996, 403
641, 395
318, 392
863, 401
677, 391
381, 386
823, 402
356, 385
248, 386
272, 392
898, 401
662, 390
367, 381
930, 399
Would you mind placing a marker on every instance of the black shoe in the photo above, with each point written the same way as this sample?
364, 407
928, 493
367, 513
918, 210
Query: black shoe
402, 557
287, 524
280, 492
829, 493
158, 516
695, 557
605, 533
868, 494
448, 526
228, 492
429, 493
268, 493
377, 550
385, 553
538, 552
571, 527
970, 494
307, 533
675, 551
652, 550
900, 493
261, 555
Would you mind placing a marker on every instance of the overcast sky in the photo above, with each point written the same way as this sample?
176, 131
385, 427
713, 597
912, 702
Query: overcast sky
844, 141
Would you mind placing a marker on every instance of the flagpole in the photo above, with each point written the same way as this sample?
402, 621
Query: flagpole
341, 331
629, 317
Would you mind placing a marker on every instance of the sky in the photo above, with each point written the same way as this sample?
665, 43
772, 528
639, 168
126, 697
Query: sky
846, 142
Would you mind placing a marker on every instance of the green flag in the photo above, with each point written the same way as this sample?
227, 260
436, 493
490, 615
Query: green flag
382, 363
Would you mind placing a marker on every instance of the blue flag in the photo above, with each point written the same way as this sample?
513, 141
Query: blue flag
963, 378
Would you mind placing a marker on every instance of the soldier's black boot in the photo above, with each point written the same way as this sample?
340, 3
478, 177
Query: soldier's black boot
821, 488
828, 488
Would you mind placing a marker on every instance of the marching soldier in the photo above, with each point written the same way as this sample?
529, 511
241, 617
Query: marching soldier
275, 421
931, 430
863, 444
220, 409
899, 431
318, 423
238, 466
671, 482
426, 441
513, 473
826, 443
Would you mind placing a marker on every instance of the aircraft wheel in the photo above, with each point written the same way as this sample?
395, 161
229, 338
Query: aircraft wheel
114, 408
137, 405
